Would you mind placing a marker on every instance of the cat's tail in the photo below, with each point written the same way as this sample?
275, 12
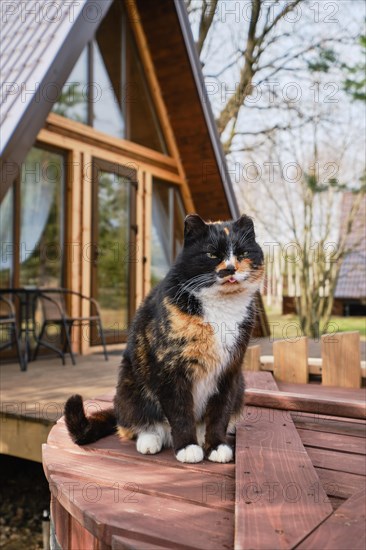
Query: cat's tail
83, 429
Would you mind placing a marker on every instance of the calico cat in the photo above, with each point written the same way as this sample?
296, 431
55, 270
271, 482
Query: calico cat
180, 381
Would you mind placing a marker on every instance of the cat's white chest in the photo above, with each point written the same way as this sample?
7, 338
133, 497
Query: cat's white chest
224, 314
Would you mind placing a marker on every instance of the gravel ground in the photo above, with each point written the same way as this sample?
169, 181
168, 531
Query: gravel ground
24, 495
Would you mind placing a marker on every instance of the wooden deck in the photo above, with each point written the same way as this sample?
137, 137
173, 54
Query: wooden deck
298, 482
32, 401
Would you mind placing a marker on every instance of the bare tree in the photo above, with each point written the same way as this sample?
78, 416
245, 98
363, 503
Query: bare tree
250, 46
301, 214
269, 39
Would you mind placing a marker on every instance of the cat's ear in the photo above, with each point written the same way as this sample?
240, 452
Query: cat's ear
194, 227
244, 224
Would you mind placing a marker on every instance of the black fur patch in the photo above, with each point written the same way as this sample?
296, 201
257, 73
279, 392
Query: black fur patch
85, 430
169, 347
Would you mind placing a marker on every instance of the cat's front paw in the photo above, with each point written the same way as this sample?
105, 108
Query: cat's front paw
223, 453
191, 453
149, 444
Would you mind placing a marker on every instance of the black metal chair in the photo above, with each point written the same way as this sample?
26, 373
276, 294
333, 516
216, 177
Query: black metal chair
8, 323
55, 313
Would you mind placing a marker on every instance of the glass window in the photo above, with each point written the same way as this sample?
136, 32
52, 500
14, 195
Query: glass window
111, 270
107, 88
6, 239
178, 226
73, 101
143, 123
160, 235
107, 113
41, 219
167, 228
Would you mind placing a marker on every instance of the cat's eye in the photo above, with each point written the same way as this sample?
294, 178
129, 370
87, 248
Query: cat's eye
212, 256
242, 256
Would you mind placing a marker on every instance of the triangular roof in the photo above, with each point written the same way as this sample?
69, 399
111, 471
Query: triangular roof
352, 275
40, 45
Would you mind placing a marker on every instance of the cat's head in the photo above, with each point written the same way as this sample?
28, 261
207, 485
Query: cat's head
221, 255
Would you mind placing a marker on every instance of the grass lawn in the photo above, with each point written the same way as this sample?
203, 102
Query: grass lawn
288, 326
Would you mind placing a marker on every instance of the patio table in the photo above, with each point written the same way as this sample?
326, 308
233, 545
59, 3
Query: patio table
27, 296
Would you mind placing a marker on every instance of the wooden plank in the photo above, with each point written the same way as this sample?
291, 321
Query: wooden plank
307, 403
111, 446
260, 380
97, 145
139, 255
73, 254
147, 233
329, 391
290, 360
336, 502
108, 507
345, 528
124, 543
340, 484
329, 424
335, 442
200, 489
341, 359
86, 240
279, 497
80, 537
82, 133
61, 522
23, 437
335, 460
251, 359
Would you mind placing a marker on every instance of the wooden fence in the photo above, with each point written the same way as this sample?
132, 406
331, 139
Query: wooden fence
340, 363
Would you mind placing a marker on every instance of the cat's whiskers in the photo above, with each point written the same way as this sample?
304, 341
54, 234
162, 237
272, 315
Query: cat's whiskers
243, 238
195, 283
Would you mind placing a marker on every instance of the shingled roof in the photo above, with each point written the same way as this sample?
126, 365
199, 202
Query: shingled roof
352, 276
40, 43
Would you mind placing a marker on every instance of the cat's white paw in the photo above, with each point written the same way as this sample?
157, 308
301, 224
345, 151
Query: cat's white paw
149, 444
191, 453
223, 453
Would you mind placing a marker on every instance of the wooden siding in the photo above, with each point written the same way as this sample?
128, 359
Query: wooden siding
183, 103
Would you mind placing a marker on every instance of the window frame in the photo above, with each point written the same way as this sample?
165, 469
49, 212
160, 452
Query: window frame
14, 280
173, 189
101, 164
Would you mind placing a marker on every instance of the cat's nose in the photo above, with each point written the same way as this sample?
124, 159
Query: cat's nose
230, 270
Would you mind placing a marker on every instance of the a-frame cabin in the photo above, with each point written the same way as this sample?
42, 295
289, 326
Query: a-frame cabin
107, 141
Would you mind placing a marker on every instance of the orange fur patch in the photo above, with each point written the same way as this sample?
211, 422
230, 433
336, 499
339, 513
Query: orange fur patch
200, 344
257, 274
222, 265
125, 433
243, 266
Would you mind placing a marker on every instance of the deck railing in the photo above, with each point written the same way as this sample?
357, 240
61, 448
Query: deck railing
340, 363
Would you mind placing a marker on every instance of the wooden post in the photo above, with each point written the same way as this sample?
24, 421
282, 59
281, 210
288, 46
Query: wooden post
73, 252
252, 359
290, 360
341, 359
